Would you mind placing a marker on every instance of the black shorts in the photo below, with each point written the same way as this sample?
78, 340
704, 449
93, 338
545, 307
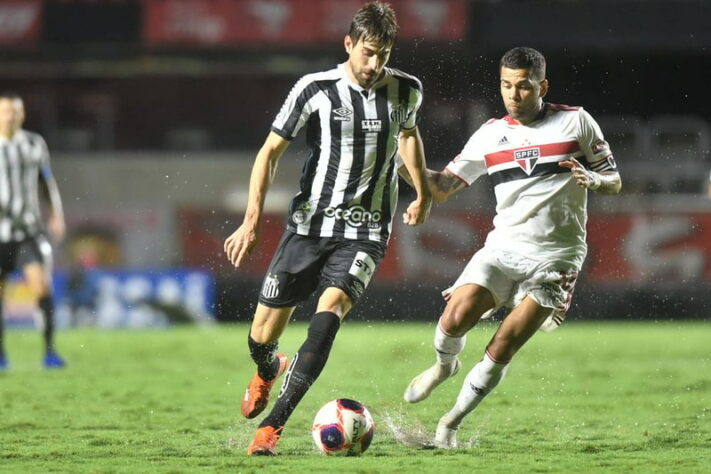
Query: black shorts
301, 265
15, 255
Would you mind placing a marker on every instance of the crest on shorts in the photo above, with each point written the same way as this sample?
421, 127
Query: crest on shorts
270, 289
527, 159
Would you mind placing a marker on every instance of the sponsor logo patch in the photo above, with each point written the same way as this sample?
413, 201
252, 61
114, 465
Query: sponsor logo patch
371, 125
527, 159
362, 268
355, 216
503, 141
342, 114
599, 146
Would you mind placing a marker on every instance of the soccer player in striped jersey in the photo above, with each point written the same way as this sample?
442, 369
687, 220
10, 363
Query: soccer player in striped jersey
542, 159
357, 117
24, 165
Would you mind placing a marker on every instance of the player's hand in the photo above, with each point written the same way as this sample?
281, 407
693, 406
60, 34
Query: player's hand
240, 244
583, 177
56, 228
417, 212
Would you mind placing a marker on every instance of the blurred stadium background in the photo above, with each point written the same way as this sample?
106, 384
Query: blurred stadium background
154, 109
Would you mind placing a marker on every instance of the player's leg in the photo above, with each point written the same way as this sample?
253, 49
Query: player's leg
263, 341
3, 357
346, 273
309, 361
517, 328
292, 276
464, 308
35, 259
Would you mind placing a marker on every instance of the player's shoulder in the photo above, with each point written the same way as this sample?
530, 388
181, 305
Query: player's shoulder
562, 107
330, 74
405, 78
32, 137
315, 78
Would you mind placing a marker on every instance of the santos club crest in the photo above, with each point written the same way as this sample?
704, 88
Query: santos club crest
527, 159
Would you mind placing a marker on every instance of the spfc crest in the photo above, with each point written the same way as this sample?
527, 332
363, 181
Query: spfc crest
527, 159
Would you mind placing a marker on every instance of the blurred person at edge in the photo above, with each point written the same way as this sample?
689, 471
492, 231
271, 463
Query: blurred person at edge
24, 166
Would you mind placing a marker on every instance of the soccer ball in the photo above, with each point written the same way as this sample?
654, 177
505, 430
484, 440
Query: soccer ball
343, 427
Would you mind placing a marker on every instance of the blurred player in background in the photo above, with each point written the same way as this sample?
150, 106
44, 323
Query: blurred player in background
357, 117
542, 159
24, 164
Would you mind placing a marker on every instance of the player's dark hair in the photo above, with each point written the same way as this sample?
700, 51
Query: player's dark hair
525, 58
375, 22
10, 95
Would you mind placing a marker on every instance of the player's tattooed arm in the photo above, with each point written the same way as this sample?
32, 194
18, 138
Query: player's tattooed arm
444, 184
605, 182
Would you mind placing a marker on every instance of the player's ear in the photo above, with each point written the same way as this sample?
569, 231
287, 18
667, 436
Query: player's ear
348, 43
544, 87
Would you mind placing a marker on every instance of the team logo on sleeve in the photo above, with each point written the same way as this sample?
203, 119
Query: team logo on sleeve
398, 113
342, 114
599, 146
527, 159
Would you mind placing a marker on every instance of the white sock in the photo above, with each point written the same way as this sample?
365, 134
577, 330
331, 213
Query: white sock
447, 347
479, 382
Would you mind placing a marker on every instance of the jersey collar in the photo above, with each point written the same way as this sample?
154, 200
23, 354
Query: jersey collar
541, 114
356, 86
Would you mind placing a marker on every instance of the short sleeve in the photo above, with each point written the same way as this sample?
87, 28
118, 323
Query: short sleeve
413, 108
470, 164
296, 109
41, 152
593, 144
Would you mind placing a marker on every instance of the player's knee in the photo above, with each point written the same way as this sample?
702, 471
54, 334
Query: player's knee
464, 309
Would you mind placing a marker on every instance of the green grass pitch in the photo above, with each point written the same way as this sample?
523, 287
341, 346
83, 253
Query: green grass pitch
589, 397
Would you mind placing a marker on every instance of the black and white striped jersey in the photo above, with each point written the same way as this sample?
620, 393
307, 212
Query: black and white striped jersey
22, 159
349, 181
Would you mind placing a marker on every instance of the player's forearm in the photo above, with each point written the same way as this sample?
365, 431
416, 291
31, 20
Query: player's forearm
53, 197
412, 152
607, 182
263, 173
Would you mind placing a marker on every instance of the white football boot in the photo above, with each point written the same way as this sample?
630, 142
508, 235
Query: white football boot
446, 434
422, 385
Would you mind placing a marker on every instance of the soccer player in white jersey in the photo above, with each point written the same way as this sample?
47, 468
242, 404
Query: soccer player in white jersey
24, 165
357, 117
542, 159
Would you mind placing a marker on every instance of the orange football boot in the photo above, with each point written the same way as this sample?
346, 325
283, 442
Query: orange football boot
257, 394
265, 441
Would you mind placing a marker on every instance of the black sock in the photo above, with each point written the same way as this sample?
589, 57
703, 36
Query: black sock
46, 306
305, 368
2, 331
264, 355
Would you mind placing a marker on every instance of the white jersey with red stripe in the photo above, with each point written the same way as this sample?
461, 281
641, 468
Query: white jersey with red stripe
540, 209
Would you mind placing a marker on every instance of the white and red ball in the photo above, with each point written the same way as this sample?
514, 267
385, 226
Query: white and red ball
343, 427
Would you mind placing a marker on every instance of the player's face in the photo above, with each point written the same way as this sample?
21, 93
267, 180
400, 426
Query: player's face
522, 93
12, 114
366, 60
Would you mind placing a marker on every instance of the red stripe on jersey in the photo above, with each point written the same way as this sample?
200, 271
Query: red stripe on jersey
562, 107
549, 149
457, 176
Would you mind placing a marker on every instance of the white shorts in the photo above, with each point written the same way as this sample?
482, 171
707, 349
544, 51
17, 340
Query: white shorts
510, 277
